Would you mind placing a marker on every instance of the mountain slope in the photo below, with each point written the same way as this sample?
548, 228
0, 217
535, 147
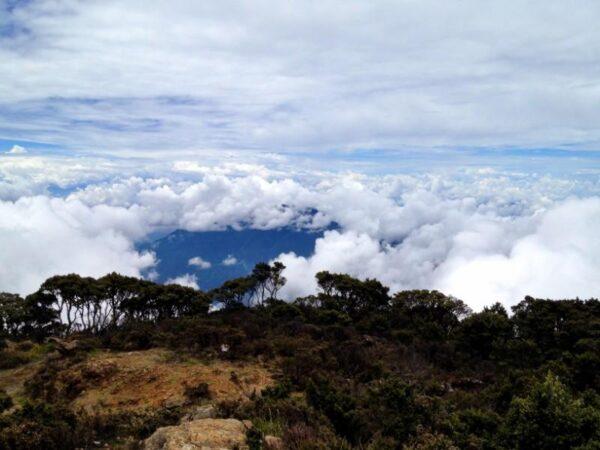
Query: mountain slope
227, 254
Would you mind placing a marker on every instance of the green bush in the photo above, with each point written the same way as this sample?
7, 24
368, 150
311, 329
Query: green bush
550, 418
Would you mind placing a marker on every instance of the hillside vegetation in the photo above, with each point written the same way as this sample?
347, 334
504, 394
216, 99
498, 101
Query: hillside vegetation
89, 363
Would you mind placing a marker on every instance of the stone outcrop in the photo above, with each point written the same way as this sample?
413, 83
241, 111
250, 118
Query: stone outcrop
63, 347
203, 434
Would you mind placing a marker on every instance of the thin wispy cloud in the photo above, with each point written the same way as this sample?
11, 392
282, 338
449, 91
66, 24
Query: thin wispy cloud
17, 150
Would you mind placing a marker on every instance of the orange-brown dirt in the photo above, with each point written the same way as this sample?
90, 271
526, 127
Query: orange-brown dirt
157, 378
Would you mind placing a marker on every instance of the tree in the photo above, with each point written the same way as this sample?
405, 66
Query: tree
176, 301
235, 293
32, 317
337, 405
117, 290
346, 294
556, 326
77, 301
481, 333
432, 314
269, 281
42, 320
12, 314
262, 284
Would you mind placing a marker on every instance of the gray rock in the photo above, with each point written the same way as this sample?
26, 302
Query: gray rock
200, 412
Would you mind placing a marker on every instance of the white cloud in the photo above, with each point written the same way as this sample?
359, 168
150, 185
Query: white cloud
199, 262
186, 280
34, 175
560, 258
230, 261
41, 237
478, 258
17, 150
310, 76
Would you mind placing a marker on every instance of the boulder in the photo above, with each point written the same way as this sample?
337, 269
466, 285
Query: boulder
203, 434
64, 348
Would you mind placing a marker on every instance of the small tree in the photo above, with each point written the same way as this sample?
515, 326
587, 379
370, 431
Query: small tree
481, 333
269, 281
434, 315
350, 295
12, 314
236, 292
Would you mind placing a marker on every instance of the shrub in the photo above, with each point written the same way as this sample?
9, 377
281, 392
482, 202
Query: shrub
9, 359
39, 425
551, 418
196, 391
254, 439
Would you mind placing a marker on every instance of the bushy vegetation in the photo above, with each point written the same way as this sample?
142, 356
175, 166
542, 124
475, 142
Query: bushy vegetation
358, 368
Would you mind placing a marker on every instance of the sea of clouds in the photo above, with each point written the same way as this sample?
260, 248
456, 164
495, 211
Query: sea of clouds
482, 235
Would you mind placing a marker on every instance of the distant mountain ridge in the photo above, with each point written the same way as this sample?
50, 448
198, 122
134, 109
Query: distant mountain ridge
230, 253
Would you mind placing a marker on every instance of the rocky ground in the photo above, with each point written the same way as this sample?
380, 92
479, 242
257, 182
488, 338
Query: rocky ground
159, 378
141, 383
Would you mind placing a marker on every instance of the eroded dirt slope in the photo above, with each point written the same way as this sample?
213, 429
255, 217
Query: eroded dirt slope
157, 378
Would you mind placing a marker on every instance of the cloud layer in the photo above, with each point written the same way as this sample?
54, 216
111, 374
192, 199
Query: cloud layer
118, 76
478, 258
482, 235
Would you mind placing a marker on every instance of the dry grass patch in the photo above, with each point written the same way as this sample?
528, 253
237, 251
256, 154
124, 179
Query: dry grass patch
157, 378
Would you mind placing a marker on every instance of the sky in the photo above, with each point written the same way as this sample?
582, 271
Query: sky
457, 144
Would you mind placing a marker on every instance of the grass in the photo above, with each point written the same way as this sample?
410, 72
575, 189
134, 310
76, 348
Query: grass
272, 427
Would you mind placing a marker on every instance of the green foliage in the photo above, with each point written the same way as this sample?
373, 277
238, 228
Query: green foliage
345, 294
475, 428
254, 439
42, 426
431, 314
31, 317
393, 409
550, 417
337, 405
260, 286
355, 368
486, 333
279, 391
